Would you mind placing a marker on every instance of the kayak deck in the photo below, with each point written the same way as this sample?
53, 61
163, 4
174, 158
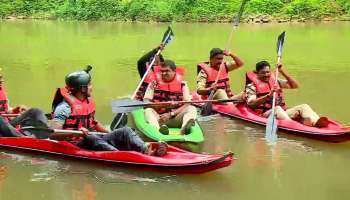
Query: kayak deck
176, 160
334, 132
195, 136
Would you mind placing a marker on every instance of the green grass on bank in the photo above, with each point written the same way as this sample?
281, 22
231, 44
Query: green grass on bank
169, 10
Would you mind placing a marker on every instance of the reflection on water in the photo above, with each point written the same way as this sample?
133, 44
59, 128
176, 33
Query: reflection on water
48, 170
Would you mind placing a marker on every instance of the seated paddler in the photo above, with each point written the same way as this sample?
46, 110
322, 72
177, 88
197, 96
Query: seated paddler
169, 86
74, 109
260, 86
13, 118
214, 75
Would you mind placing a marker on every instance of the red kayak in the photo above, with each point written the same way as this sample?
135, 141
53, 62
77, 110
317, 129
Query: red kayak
334, 132
176, 160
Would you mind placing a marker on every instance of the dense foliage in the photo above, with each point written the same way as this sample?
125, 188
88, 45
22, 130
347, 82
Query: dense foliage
169, 10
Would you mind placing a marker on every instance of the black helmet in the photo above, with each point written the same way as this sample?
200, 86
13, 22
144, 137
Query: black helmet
78, 79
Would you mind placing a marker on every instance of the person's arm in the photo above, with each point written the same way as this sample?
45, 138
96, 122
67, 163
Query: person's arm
100, 128
149, 93
236, 63
17, 110
290, 82
61, 113
186, 97
143, 61
252, 99
186, 92
201, 84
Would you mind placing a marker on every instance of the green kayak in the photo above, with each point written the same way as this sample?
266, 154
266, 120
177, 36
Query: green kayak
152, 132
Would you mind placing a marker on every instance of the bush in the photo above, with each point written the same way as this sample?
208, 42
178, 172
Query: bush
161, 11
327, 8
265, 6
138, 9
300, 8
90, 9
345, 4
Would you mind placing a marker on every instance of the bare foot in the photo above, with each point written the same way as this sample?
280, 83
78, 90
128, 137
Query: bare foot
322, 122
157, 149
187, 128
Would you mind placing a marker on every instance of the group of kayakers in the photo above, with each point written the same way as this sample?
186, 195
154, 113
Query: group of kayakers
165, 83
73, 107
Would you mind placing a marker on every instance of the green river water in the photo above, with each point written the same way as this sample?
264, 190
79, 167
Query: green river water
36, 55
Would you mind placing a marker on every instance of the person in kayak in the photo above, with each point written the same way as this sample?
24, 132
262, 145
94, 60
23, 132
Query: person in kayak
74, 109
208, 72
259, 92
143, 64
10, 126
169, 86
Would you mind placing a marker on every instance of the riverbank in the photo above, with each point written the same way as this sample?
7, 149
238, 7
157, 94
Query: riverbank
256, 11
251, 19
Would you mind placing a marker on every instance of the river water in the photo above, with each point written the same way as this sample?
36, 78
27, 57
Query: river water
36, 55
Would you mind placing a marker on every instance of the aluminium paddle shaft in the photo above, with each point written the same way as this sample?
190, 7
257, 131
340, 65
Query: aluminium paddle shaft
165, 40
206, 109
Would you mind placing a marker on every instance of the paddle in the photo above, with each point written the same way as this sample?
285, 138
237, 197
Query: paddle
128, 105
58, 134
207, 108
271, 126
122, 116
10, 115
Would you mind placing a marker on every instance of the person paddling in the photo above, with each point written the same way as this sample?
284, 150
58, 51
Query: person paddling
259, 91
208, 73
74, 109
143, 64
169, 86
10, 126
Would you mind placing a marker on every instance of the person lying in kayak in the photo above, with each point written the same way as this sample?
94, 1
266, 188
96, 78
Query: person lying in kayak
169, 86
142, 66
259, 92
32, 117
9, 126
74, 109
208, 72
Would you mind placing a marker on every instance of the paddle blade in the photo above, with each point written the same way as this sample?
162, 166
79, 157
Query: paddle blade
125, 105
237, 18
88, 68
271, 128
167, 36
120, 120
207, 107
280, 42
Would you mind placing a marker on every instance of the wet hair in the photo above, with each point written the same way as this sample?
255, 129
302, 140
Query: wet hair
169, 63
215, 51
261, 65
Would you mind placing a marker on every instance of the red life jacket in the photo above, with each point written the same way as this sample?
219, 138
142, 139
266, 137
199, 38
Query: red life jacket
149, 78
82, 112
168, 91
262, 89
223, 81
4, 106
